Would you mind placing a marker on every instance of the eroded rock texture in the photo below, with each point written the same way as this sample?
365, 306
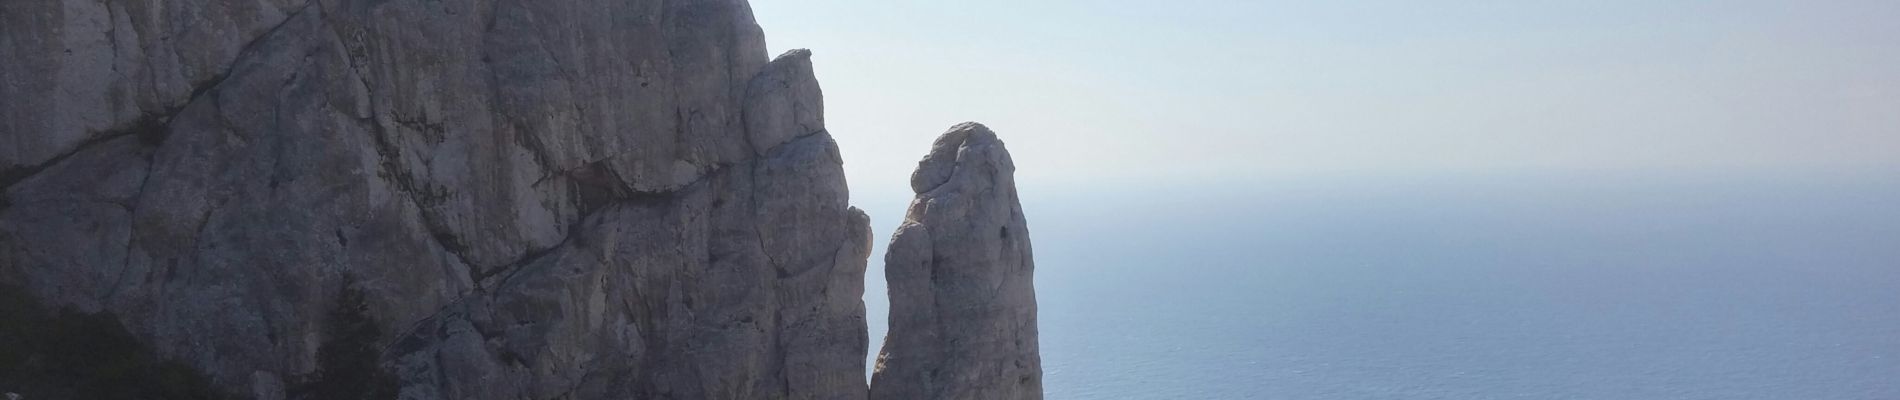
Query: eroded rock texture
963, 300
458, 199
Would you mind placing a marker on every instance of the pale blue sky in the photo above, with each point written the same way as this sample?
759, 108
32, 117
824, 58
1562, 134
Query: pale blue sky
1125, 117
1108, 92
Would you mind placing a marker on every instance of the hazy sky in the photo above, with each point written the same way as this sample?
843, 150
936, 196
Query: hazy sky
1159, 98
1111, 92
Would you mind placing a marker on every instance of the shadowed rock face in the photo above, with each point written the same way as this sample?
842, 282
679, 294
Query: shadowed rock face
478, 199
435, 199
963, 301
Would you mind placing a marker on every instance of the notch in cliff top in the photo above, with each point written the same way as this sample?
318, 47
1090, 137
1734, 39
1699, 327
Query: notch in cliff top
963, 301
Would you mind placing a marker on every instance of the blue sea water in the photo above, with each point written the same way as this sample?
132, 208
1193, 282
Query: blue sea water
1518, 287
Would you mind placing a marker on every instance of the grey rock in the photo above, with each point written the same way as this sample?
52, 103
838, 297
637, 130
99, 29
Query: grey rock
784, 95
436, 199
84, 70
682, 295
963, 301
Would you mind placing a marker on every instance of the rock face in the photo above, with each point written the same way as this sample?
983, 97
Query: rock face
465, 199
963, 301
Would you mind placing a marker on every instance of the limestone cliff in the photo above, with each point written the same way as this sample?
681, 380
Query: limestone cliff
434, 199
963, 301
468, 199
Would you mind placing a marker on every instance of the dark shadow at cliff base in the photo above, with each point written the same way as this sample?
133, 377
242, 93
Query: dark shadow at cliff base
62, 354
347, 360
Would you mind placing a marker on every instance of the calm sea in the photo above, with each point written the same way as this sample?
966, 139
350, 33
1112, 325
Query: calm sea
1502, 287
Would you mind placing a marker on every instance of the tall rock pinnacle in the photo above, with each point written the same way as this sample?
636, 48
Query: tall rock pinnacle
963, 301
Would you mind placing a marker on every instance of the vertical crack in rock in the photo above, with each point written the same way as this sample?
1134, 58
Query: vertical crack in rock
960, 272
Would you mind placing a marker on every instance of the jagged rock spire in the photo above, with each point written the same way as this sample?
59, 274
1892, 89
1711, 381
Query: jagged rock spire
963, 301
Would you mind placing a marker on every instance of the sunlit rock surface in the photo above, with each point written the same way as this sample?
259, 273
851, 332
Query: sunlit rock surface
963, 300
